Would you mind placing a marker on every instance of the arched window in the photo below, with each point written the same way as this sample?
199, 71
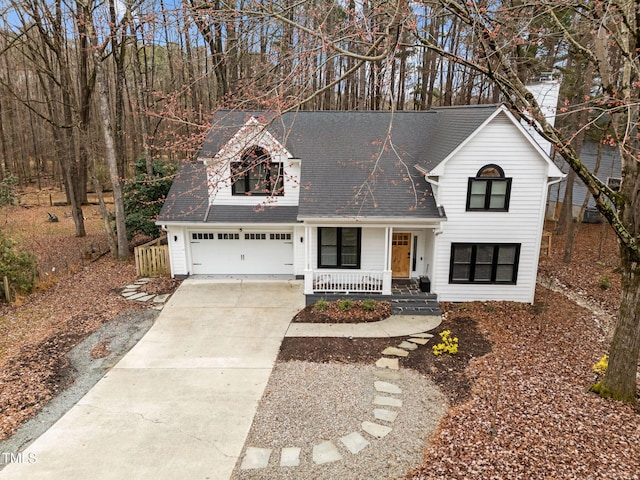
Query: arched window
256, 174
489, 190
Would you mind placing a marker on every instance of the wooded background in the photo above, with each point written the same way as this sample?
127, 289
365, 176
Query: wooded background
169, 66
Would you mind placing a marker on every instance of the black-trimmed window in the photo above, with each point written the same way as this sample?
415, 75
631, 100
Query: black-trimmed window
484, 263
489, 190
339, 247
256, 174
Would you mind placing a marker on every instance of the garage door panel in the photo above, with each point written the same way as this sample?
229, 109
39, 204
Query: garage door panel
240, 253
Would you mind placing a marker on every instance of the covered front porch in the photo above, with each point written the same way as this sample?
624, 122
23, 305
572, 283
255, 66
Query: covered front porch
407, 298
382, 254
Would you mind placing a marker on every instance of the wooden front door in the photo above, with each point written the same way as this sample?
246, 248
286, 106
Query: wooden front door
400, 255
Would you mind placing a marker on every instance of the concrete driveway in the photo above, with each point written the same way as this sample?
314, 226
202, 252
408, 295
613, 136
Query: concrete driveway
181, 402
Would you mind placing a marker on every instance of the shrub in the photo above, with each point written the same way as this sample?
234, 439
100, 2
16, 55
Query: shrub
604, 282
18, 267
600, 368
448, 345
369, 305
144, 196
345, 304
8, 190
321, 305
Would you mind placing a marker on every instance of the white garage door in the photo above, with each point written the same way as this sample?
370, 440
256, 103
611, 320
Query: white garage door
241, 253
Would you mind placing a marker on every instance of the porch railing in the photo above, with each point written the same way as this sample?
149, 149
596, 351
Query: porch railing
347, 282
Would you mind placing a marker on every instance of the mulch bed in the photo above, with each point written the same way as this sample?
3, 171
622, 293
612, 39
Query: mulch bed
334, 314
447, 371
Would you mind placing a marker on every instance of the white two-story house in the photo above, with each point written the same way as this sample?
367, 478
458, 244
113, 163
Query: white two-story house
350, 201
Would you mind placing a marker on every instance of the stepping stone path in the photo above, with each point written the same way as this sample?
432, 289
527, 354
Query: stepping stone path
131, 292
386, 410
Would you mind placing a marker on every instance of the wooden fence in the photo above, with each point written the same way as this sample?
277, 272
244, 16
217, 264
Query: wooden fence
545, 246
152, 259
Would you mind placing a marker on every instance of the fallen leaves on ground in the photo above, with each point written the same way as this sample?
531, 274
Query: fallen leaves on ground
78, 291
530, 414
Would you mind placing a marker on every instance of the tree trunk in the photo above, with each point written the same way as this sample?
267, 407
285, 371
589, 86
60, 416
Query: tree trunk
566, 211
111, 236
142, 103
620, 379
69, 169
110, 152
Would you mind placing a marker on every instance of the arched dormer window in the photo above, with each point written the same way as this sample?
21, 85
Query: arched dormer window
489, 190
256, 174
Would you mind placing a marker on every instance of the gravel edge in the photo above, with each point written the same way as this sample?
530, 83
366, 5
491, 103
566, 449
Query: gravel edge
121, 334
306, 403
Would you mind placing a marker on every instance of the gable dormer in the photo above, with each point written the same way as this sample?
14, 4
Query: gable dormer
253, 168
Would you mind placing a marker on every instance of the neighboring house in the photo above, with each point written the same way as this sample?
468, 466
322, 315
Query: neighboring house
349, 201
604, 161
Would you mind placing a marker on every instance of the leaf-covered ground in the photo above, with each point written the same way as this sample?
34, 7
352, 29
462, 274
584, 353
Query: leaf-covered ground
522, 410
76, 294
530, 414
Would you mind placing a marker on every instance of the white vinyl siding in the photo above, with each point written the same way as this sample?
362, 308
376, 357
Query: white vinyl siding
372, 248
219, 175
298, 250
502, 144
220, 191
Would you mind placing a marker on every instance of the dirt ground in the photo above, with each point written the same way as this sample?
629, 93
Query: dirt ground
518, 388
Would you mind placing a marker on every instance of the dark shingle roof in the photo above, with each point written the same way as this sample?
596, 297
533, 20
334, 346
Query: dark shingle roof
188, 197
188, 201
455, 125
353, 163
251, 214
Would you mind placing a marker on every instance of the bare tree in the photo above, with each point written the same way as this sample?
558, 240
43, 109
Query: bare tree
612, 53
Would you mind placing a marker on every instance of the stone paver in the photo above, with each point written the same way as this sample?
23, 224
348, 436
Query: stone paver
161, 298
387, 375
145, 298
355, 442
387, 401
422, 335
137, 296
391, 363
375, 429
386, 387
408, 346
420, 341
129, 294
385, 415
131, 287
256, 458
290, 457
325, 452
398, 352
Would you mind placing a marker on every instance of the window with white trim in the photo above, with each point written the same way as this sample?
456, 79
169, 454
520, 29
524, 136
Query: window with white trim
614, 183
256, 174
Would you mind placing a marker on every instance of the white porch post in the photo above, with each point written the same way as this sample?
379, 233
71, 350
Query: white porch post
308, 273
386, 274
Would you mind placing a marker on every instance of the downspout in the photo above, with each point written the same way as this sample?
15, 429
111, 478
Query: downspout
541, 231
436, 231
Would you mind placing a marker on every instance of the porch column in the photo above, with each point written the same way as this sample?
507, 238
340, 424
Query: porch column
386, 274
308, 273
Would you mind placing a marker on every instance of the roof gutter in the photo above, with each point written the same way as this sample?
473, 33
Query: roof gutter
426, 175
